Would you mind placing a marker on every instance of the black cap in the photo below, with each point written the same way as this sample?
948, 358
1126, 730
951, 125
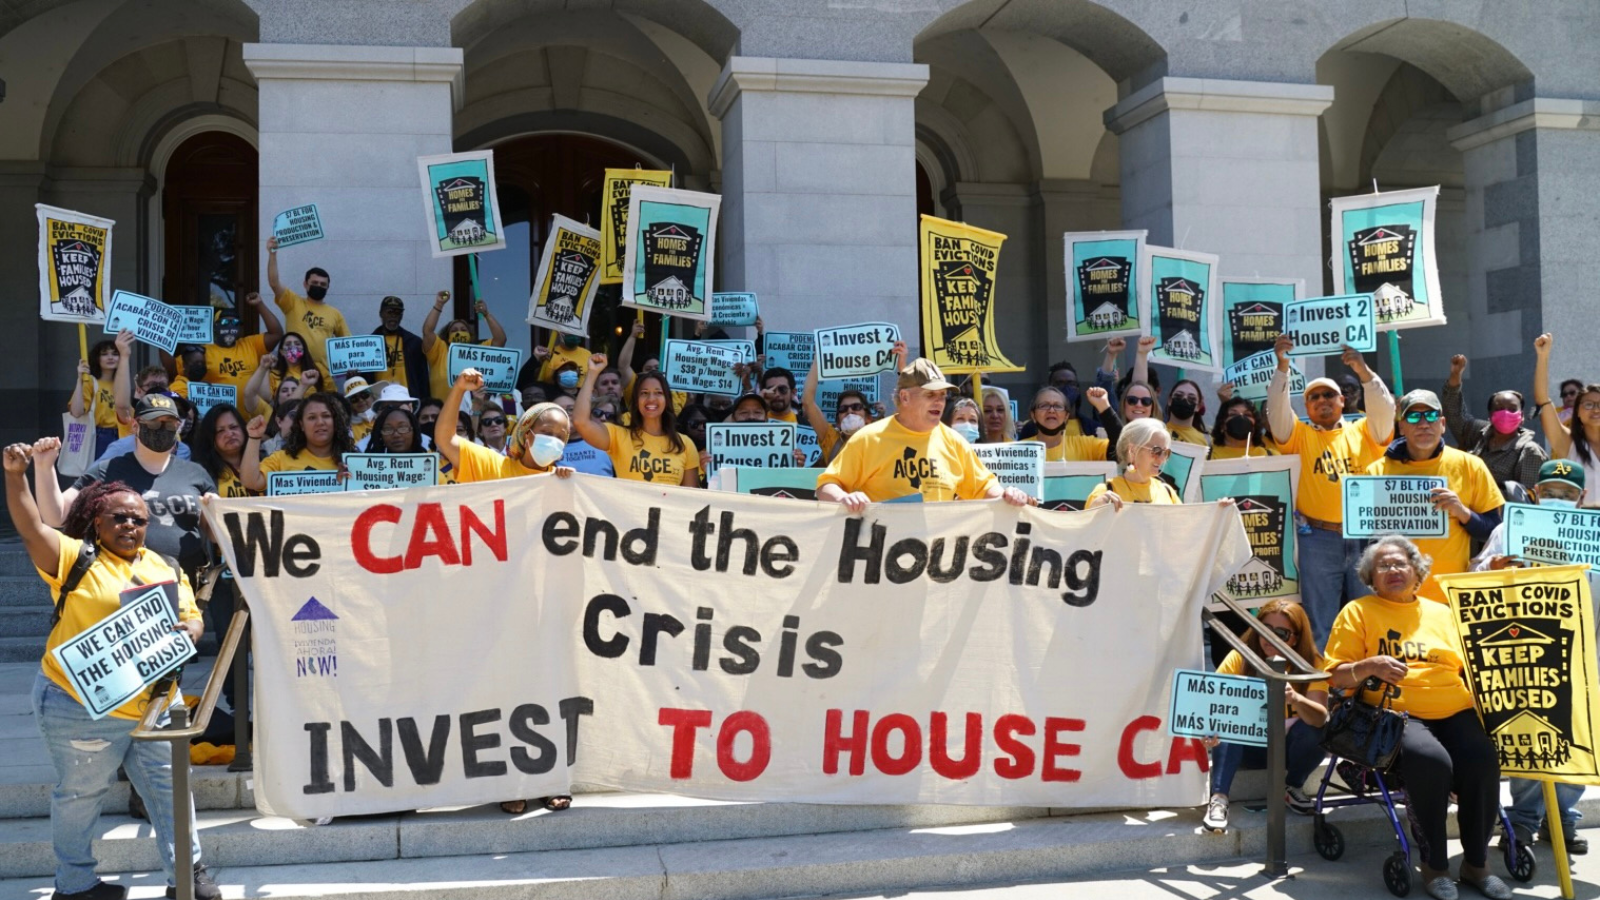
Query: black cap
155, 406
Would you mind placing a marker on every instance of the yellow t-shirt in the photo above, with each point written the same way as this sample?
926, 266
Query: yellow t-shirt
1076, 448
1325, 457
234, 365
828, 438
1132, 492
679, 398
479, 463
650, 458
1418, 634
1220, 452
787, 416
1074, 428
1189, 434
305, 462
316, 322
297, 372
103, 399
1233, 664
394, 353
99, 595
229, 485
438, 357
1470, 479
359, 429
886, 461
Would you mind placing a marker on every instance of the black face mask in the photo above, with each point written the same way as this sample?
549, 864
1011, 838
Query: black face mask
1050, 432
316, 292
158, 441
1239, 427
194, 371
227, 335
1182, 407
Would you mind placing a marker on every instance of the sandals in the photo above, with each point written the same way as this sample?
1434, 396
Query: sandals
556, 803
514, 807
1486, 884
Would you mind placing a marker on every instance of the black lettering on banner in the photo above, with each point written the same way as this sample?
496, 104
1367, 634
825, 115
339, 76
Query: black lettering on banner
572, 710
320, 783
426, 767
473, 743
521, 723
379, 762
913, 557
297, 554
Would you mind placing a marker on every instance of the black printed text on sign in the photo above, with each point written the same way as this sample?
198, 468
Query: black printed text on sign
734, 308
1376, 505
1019, 464
1324, 326
288, 484
150, 320
1252, 375
297, 226
855, 350
361, 353
761, 445
1555, 537
205, 395
197, 322
498, 365
119, 656
386, 471
702, 367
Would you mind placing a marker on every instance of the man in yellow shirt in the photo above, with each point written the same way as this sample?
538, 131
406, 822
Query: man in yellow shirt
1471, 498
233, 357
312, 318
911, 453
1329, 449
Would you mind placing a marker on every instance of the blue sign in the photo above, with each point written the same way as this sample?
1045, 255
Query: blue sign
1230, 707
1324, 326
311, 481
1252, 375
704, 367
856, 350
361, 353
763, 445
150, 320
498, 365
734, 309
196, 325
1553, 536
790, 350
1376, 505
807, 442
384, 471
297, 226
204, 396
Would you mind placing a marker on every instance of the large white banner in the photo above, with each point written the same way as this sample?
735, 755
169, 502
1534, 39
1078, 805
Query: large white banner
483, 642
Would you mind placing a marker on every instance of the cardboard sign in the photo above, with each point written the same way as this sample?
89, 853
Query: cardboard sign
461, 203
807, 442
1376, 505
1067, 485
1231, 707
498, 365
310, 481
959, 267
1555, 537
1324, 326
150, 320
387, 471
1252, 376
1019, 464
1104, 284
856, 350
1383, 246
1263, 490
1183, 308
74, 265
788, 484
614, 197
116, 658
205, 395
702, 367
569, 275
759, 445
734, 309
792, 350
1252, 314
671, 258
197, 321
300, 225
358, 353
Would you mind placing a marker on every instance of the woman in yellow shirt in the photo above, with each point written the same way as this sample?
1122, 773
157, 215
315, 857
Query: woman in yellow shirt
96, 392
1051, 417
1389, 636
998, 425
1237, 433
220, 446
1141, 449
318, 441
536, 441
649, 448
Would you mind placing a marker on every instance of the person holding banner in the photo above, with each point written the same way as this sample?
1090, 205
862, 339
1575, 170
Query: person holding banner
1511, 451
1390, 636
534, 447
1471, 498
96, 391
111, 518
1142, 447
1237, 433
650, 448
317, 442
1578, 441
1329, 449
309, 314
1049, 414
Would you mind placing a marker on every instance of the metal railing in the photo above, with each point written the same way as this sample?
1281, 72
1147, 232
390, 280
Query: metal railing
1276, 673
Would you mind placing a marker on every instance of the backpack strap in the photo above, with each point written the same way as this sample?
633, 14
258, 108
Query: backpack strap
80, 567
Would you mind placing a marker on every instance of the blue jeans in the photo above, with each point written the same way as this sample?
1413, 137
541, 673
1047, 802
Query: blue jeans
86, 754
1527, 804
1302, 747
1327, 578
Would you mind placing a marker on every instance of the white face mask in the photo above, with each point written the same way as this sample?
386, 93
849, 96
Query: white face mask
852, 423
547, 449
967, 430
1558, 504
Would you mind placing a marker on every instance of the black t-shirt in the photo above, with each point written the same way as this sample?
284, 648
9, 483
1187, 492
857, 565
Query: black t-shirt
174, 501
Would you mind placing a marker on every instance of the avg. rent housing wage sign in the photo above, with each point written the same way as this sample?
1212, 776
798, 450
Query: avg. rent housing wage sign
718, 645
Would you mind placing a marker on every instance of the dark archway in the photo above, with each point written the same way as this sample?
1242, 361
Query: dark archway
209, 210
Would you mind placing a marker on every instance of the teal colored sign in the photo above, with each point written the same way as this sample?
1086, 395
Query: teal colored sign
856, 351
1069, 492
1018, 464
297, 226
1553, 536
1376, 505
1103, 283
828, 392
386, 471
1252, 315
196, 325
313, 481
498, 365
1324, 326
205, 395
1262, 489
358, 353
1252, 376
1184, 309
1383, 246
734, 309
807, 442
792, 350
766, 445
150, 320
671, 251
1185, 462
1230, 707
793, 484
703, 367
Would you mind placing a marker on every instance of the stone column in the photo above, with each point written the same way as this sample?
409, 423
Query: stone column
819, 204
342, 127
28, 391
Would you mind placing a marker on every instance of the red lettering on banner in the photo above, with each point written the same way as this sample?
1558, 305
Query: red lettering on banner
495, 540
1020, 763
1125, 761
1054, 747
910, 749
743, 721
939, 750
1188, 749
430, 536
855, 742
684, 723
361, 536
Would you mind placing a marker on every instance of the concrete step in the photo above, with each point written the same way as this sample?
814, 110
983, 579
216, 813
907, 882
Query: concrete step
21, 649
24, 591
14, 560
25, 621
30, 778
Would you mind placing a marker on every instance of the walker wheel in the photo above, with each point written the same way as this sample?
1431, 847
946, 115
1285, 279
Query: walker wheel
1327, 839
1397, 874
1524, 866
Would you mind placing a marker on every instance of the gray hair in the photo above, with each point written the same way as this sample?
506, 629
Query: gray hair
1136, 434
1421, 562
967, 403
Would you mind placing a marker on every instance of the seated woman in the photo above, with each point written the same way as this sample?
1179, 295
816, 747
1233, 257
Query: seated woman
1306, 714
1391, 636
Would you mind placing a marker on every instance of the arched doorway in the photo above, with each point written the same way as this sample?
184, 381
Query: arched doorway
209, 214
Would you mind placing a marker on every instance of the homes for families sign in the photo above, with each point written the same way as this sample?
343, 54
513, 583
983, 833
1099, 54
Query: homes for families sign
569, 274
717, 645
74, 265
671, 251
1263, 490
1383, 246
461, 203
959, 265
1253, 314
1182, 308
1104, 283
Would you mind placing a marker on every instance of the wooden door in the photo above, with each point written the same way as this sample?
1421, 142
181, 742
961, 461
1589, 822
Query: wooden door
209, 212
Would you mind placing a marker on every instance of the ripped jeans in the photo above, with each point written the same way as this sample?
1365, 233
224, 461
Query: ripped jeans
86, 754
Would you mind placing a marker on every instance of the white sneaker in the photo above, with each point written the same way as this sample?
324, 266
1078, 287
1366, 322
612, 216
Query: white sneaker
1216, 817
1298, 802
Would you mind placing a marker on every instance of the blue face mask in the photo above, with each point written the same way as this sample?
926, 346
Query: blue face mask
1558, 504
567, 379
547, 449
967, 430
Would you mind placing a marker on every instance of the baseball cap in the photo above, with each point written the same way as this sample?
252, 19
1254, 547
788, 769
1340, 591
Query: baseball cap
357, 384
155, 406
1561, 471
924, 375
392, 300
1328, 383
1419, 397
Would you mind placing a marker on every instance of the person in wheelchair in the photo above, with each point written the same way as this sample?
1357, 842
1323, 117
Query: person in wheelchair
1390, 636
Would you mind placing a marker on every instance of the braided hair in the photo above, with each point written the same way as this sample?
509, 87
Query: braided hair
90, 504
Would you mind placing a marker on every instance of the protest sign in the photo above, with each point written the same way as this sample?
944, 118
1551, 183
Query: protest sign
300, 225
461, 203
150, 320
309, 481
789, 484
1184, 465
758, 445
792, 350
1252, 376
1231, 707
703, 367
1104, 283
569, 274
1067, 485
196, 324
1530, 659
1376, 505
828, 393
734, 308
804, 633
205, 395
358, 353
385, 471
1383, 246
1019, 464
959, 266
614, 215
1252, 314
74, 265
856, 350
1324, 326
1263, 490
116, 658
807, 442
1182, 309
498, 365
670, 262
1553, 536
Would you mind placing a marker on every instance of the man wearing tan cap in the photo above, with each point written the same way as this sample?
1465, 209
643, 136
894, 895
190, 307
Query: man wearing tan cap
911, 454
1329, 449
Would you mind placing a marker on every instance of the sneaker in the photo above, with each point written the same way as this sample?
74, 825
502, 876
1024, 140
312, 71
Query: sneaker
1577, 844
1216, 817
100, 891
205, 887
1298, 801
1523, 833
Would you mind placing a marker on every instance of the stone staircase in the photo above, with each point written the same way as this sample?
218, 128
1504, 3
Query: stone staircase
25, 604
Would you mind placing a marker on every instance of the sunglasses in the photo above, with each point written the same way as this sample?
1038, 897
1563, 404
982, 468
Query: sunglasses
1323, 395
600, 414
491, 423
1158, 452
1139, 401
126, 519
395, 430
1283, 634
1417, 416
852, 407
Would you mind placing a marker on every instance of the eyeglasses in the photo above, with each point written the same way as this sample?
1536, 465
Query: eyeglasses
599, 414
1158, 452
125, 519
852, 407
1393, 567
1283, 634
497, 421
1050, 407
1570, 392
395, 430
1323, 395
1589, 405
1417, 416
1139, 401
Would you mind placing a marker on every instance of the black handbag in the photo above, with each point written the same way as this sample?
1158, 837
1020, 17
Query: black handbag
1365, 734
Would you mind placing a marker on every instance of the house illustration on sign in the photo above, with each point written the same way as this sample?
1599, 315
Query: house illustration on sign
670, 292
1102, 265
1183, 345
1392, 301
1107, 315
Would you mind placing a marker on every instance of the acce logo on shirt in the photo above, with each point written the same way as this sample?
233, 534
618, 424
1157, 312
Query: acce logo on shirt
915, 469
